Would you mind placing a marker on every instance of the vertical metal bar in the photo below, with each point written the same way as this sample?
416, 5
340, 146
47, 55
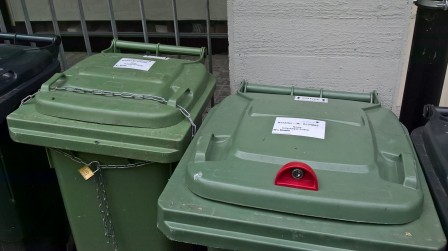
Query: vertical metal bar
3, 26
209, 38
143, 16
209, 46
2, 23
112, 19
57, 32
176, 23
29, 28
85, 32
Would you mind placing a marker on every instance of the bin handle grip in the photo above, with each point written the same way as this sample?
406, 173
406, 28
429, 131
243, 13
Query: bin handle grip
430, 111
371, 97
409, 169
157, 48
47, 85
54, 41
203, 147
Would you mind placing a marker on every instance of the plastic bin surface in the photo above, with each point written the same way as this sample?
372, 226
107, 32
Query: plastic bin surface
276, 168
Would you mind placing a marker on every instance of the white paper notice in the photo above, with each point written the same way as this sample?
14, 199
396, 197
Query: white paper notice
136, 64
311, 99
299, 127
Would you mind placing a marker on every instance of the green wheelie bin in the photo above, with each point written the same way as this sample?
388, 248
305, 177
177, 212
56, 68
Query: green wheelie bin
283, 168
32, 215
114, 126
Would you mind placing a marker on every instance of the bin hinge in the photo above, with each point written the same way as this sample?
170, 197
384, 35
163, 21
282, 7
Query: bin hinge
431, 4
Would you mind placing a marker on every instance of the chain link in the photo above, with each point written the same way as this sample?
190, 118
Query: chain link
130, 95
99, 165
28, 98
103, 203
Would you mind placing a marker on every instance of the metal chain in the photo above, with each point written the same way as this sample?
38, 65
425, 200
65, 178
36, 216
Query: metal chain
28, 98
99, 165
101, 195
129, 95
103, 205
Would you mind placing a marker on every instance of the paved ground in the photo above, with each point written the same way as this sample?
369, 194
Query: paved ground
220, 70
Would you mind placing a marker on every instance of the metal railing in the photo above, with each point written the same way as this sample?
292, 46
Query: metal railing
115, 33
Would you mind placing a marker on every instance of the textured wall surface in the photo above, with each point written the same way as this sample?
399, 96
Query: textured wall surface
332, 44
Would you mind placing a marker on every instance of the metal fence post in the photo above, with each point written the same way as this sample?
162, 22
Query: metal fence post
176, 23
56, 31
112, 19
3, 26
85, 32
209, 45
143, 17
209, 38
29, 28
2, 23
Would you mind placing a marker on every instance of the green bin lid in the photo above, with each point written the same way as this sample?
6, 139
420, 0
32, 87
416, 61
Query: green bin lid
120, 104
99, 89
343, 158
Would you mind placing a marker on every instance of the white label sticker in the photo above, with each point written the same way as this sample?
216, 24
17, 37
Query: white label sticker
299, 127
136, 64
156, 57
311, 99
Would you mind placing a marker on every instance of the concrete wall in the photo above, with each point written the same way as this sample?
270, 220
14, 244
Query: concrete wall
332, 44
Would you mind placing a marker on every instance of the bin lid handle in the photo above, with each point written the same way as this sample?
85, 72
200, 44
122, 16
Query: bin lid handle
297, 175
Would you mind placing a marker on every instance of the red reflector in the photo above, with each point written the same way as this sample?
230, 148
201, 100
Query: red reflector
297, 175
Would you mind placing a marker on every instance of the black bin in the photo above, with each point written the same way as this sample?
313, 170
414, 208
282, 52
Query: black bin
431, 144
32, 216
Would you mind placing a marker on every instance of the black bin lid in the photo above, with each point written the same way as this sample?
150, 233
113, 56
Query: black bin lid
20, 63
